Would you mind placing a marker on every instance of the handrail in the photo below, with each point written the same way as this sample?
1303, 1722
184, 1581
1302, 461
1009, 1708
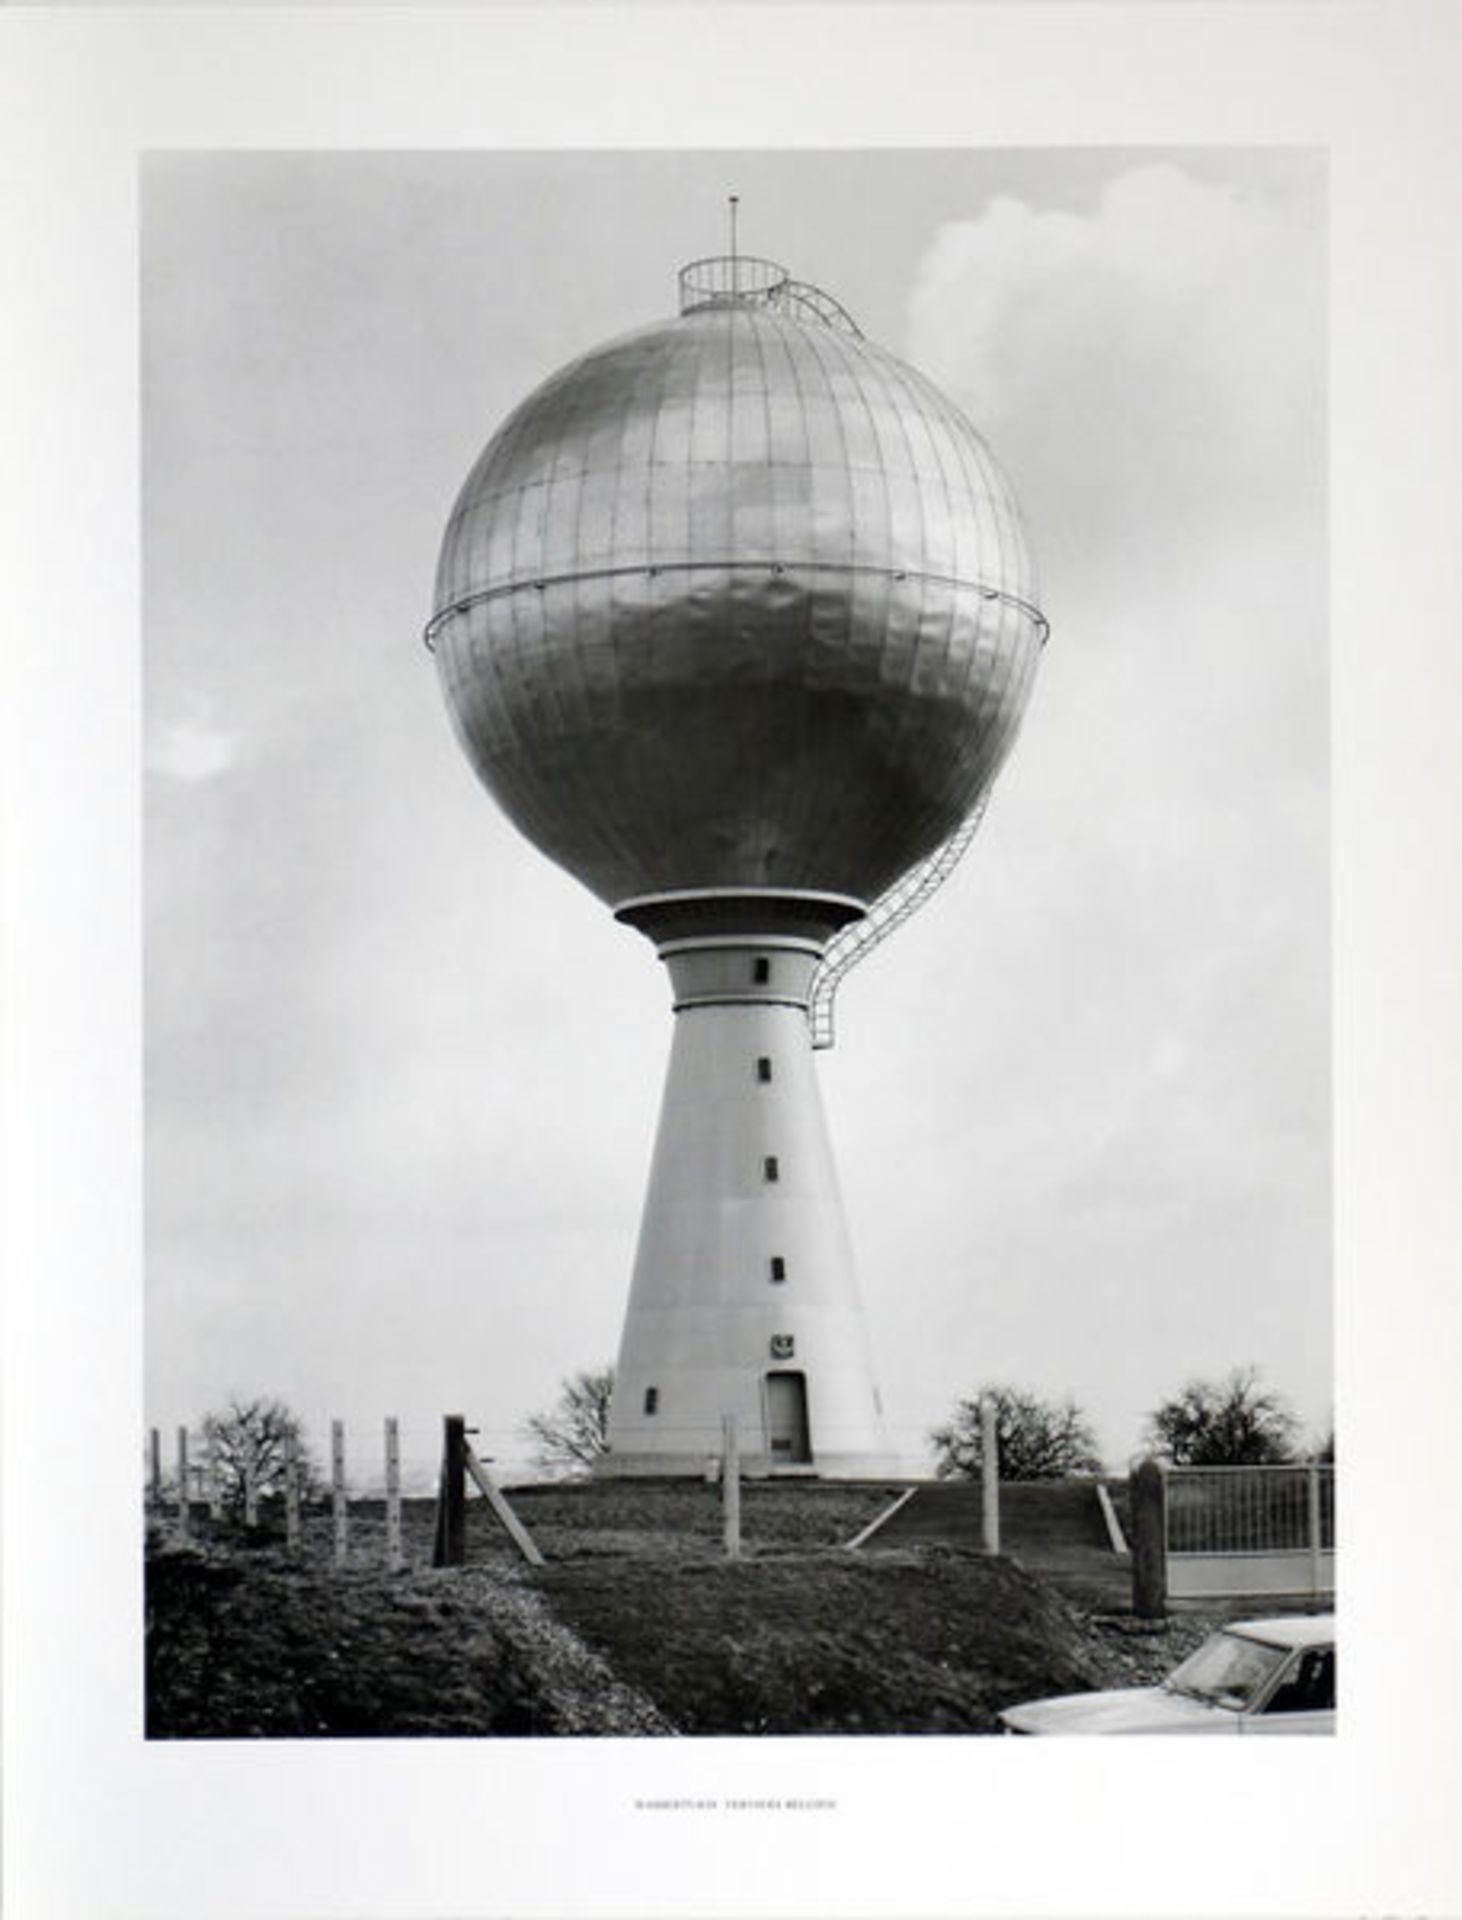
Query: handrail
723, 279
890, 910
746, 280
727, 564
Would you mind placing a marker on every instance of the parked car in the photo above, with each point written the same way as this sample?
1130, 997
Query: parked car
1252, 1676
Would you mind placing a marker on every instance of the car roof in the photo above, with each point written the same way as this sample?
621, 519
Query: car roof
1289, 1630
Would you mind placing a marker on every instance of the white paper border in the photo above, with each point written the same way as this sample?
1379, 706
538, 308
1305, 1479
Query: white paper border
99, 1825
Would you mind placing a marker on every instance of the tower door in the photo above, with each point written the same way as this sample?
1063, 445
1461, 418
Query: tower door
787, 1419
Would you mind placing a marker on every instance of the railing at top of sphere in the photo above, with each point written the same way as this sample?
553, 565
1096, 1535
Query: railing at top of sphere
745, 280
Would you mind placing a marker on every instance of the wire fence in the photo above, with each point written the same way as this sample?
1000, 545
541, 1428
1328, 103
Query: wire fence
379, 1503
363, 1504
367, 1470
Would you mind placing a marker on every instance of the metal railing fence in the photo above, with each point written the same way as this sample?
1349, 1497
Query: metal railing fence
1235, 1510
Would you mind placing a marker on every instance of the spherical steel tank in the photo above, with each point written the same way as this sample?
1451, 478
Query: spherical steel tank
737, 601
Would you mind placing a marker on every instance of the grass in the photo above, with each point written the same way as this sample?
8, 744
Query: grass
638, 1624
802, 1642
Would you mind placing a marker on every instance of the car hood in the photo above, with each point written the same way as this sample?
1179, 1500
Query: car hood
1132, 1710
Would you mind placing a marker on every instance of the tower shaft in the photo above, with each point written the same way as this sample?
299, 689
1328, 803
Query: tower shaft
744, 1298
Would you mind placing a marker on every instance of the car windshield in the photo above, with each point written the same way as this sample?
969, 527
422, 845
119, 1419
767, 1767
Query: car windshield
1227, 1671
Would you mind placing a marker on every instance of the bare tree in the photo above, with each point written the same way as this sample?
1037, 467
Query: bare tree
574, 1433
1233, 1422
249, 1443
1036, 1439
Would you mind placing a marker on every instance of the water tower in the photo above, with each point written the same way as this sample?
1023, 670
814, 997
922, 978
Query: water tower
736, 620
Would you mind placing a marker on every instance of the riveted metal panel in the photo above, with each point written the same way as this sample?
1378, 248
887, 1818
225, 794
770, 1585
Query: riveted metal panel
738, 600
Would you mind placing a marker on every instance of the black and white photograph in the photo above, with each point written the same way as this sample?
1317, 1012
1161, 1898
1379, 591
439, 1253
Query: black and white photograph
736, 619
730, 1051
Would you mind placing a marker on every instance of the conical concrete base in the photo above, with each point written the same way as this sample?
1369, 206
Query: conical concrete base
744, 1299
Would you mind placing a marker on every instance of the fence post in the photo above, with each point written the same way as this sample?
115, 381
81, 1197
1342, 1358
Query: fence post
730, 1486
1149, 1542
498, 1501
393, 1496
291, 1493
154, 1448
1312, 1489
215, 1489
339, 1512
450, 1549
990, 1473
182, 1483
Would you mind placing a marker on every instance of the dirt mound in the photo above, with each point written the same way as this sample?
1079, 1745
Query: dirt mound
245, 1644
638, 1625
916, 1641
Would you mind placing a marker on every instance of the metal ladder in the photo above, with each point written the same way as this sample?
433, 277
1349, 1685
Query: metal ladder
889, 910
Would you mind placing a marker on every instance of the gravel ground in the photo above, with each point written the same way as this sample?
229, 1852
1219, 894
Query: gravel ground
1135, 1653
581, 1693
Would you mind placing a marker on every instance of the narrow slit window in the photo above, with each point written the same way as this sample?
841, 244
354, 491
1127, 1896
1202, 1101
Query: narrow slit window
763, 1068
779, 1267
652, 1399
761, 971
770, 1167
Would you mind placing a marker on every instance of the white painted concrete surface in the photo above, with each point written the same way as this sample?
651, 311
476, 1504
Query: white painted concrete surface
742, 1176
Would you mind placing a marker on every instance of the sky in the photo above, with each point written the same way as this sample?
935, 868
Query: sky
402, 1074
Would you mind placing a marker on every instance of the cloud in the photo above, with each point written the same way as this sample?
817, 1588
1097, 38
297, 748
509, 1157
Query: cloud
1139, 366
1148, 905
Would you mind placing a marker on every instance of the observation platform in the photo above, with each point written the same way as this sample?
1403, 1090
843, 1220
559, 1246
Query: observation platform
746, 280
